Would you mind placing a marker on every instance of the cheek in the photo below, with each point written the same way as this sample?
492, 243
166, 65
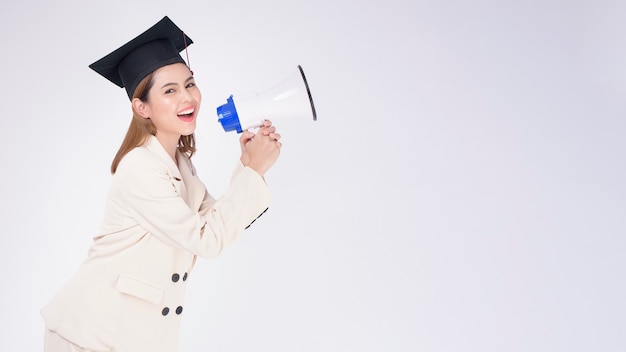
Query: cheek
160, 113
198, 98
164, 106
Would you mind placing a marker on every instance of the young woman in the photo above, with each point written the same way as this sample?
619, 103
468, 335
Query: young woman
128, 294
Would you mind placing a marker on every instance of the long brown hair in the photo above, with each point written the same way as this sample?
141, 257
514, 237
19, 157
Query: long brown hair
141, 128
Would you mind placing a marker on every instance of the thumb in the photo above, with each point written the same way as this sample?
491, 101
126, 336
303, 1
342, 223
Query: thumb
245, 137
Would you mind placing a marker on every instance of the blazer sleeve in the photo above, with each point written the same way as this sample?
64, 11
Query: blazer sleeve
149, 192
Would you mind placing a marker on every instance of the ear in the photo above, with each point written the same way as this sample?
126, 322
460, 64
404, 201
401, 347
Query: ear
141, 108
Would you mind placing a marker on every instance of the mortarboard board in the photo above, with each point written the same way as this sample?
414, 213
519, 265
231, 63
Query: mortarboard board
156, 47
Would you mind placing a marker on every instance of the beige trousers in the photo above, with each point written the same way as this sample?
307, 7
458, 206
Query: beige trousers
54, 342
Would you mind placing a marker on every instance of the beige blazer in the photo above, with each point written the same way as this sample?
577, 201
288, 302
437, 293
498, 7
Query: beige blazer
128, 295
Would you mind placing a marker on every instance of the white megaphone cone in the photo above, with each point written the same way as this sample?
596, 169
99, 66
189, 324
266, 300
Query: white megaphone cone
289, 99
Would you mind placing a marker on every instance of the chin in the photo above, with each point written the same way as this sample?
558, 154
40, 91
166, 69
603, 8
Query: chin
189, 130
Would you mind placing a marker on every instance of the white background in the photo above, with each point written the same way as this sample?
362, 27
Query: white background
462, 190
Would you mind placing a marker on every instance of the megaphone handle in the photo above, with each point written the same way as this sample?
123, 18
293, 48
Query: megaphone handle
253, 129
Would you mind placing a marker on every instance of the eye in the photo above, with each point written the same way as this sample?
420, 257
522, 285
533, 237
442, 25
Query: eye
191, 85
170, 91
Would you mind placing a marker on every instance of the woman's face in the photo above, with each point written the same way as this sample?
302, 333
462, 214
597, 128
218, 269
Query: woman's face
173, 102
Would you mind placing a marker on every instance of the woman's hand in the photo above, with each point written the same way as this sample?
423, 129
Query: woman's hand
261, 150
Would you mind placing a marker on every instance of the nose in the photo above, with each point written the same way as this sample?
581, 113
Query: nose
191, 95
186, 96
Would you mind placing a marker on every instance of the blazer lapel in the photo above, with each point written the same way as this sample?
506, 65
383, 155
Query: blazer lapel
194, 187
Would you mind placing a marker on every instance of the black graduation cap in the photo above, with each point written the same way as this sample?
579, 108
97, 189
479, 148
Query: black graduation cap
156, 47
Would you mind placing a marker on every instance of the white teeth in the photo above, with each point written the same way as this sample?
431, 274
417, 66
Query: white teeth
186, 112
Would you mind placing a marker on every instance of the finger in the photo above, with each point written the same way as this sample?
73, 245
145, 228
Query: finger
275, 136
246, 136
268, 130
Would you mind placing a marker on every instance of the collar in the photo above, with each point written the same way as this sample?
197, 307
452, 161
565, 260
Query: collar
154, 146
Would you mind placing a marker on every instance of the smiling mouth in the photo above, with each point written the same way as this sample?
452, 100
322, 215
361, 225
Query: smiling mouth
187, 113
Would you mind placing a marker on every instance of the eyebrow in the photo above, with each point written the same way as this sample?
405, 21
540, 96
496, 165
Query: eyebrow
174, 84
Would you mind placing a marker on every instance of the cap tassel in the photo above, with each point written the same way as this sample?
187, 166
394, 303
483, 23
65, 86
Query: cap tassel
187, 53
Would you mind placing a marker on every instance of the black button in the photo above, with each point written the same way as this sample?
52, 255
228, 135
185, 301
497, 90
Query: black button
185, 277
179, 310
165, 311
175, 277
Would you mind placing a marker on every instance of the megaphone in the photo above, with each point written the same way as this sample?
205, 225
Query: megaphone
289, 99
